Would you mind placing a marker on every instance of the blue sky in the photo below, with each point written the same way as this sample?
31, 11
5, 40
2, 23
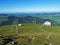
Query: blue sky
29, 5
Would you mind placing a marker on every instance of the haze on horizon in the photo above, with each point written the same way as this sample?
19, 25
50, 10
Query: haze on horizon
29, 6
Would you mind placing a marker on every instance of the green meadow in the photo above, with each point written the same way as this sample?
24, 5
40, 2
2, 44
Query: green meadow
32, 34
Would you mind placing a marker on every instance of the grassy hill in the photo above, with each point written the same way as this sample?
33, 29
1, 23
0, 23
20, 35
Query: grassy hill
31, 34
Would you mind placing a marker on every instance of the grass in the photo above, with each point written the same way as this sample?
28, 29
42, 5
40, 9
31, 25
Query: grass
28, 31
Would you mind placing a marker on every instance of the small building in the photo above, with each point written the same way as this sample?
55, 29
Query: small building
47, 23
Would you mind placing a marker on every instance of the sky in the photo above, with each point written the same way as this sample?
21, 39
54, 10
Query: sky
29, 6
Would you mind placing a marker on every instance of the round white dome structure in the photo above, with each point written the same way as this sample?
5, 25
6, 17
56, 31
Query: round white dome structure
19, 24
47, 23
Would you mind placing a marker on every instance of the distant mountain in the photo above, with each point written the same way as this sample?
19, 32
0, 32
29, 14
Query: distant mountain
8, 19
3, 15
31, 14
22, 19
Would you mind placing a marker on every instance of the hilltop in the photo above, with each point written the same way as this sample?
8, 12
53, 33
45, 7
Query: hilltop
30, 33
